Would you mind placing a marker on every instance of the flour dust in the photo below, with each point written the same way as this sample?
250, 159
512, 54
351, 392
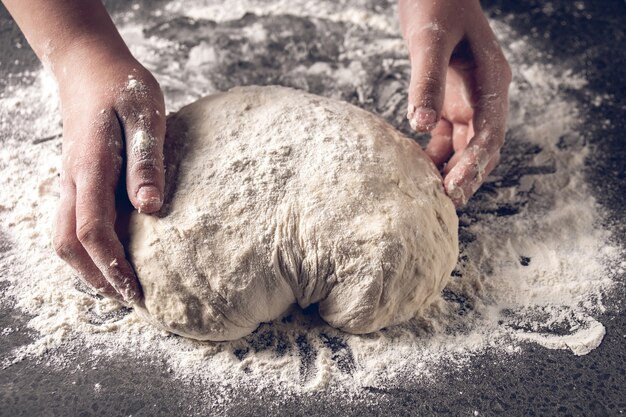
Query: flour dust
536, 261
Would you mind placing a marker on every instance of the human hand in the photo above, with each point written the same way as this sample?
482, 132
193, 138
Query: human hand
113, 130
458, 90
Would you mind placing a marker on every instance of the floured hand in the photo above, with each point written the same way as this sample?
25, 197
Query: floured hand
458, 91
113, 118
113, 130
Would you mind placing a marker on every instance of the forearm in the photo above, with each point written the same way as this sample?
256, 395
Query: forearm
56, 29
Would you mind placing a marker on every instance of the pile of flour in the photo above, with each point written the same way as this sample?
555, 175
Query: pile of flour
536, 261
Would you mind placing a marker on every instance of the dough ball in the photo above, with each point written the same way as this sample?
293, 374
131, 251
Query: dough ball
274, 197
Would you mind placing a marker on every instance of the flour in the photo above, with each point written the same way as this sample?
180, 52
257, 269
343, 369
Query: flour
536, 261
307, 201
355, 12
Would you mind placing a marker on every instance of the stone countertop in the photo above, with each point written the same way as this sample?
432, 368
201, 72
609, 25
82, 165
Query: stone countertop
538, 382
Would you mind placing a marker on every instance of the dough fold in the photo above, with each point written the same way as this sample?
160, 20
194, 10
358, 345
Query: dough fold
275, 196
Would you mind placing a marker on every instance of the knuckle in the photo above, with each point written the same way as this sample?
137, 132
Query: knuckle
143, 89
91, 231
83, 165
94, 162
146, 168
152, 84
430, 35
66, 246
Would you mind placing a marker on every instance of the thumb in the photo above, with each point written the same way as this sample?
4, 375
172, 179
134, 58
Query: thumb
430, 53
144, 152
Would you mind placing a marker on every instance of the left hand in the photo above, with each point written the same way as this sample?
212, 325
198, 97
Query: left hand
458, 91
113, 133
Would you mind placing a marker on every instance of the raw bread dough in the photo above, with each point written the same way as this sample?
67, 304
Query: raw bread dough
274, 197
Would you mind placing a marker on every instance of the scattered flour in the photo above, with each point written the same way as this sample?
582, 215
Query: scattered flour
535, 260
354, 12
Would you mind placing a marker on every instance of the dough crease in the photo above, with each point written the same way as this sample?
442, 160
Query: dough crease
275, 196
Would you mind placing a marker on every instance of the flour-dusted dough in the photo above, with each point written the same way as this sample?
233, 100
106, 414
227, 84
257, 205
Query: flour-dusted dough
275, 197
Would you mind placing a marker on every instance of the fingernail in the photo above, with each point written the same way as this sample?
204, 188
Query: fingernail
423, 119
149, 195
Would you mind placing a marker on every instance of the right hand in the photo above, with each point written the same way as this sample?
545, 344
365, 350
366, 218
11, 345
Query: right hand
113, 118
459, 89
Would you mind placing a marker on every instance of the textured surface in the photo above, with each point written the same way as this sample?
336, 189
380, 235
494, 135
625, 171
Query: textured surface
539, 382
277, 197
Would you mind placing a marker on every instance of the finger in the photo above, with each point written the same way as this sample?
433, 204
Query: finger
469, 172
96, 176
460, 138
470, 132
69, 248
144, 135
95, 231
439, 148
493, 77
466, 175
493, 163
460, 194
430, 48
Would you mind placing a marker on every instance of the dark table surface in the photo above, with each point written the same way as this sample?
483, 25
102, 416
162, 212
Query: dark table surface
538, 382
